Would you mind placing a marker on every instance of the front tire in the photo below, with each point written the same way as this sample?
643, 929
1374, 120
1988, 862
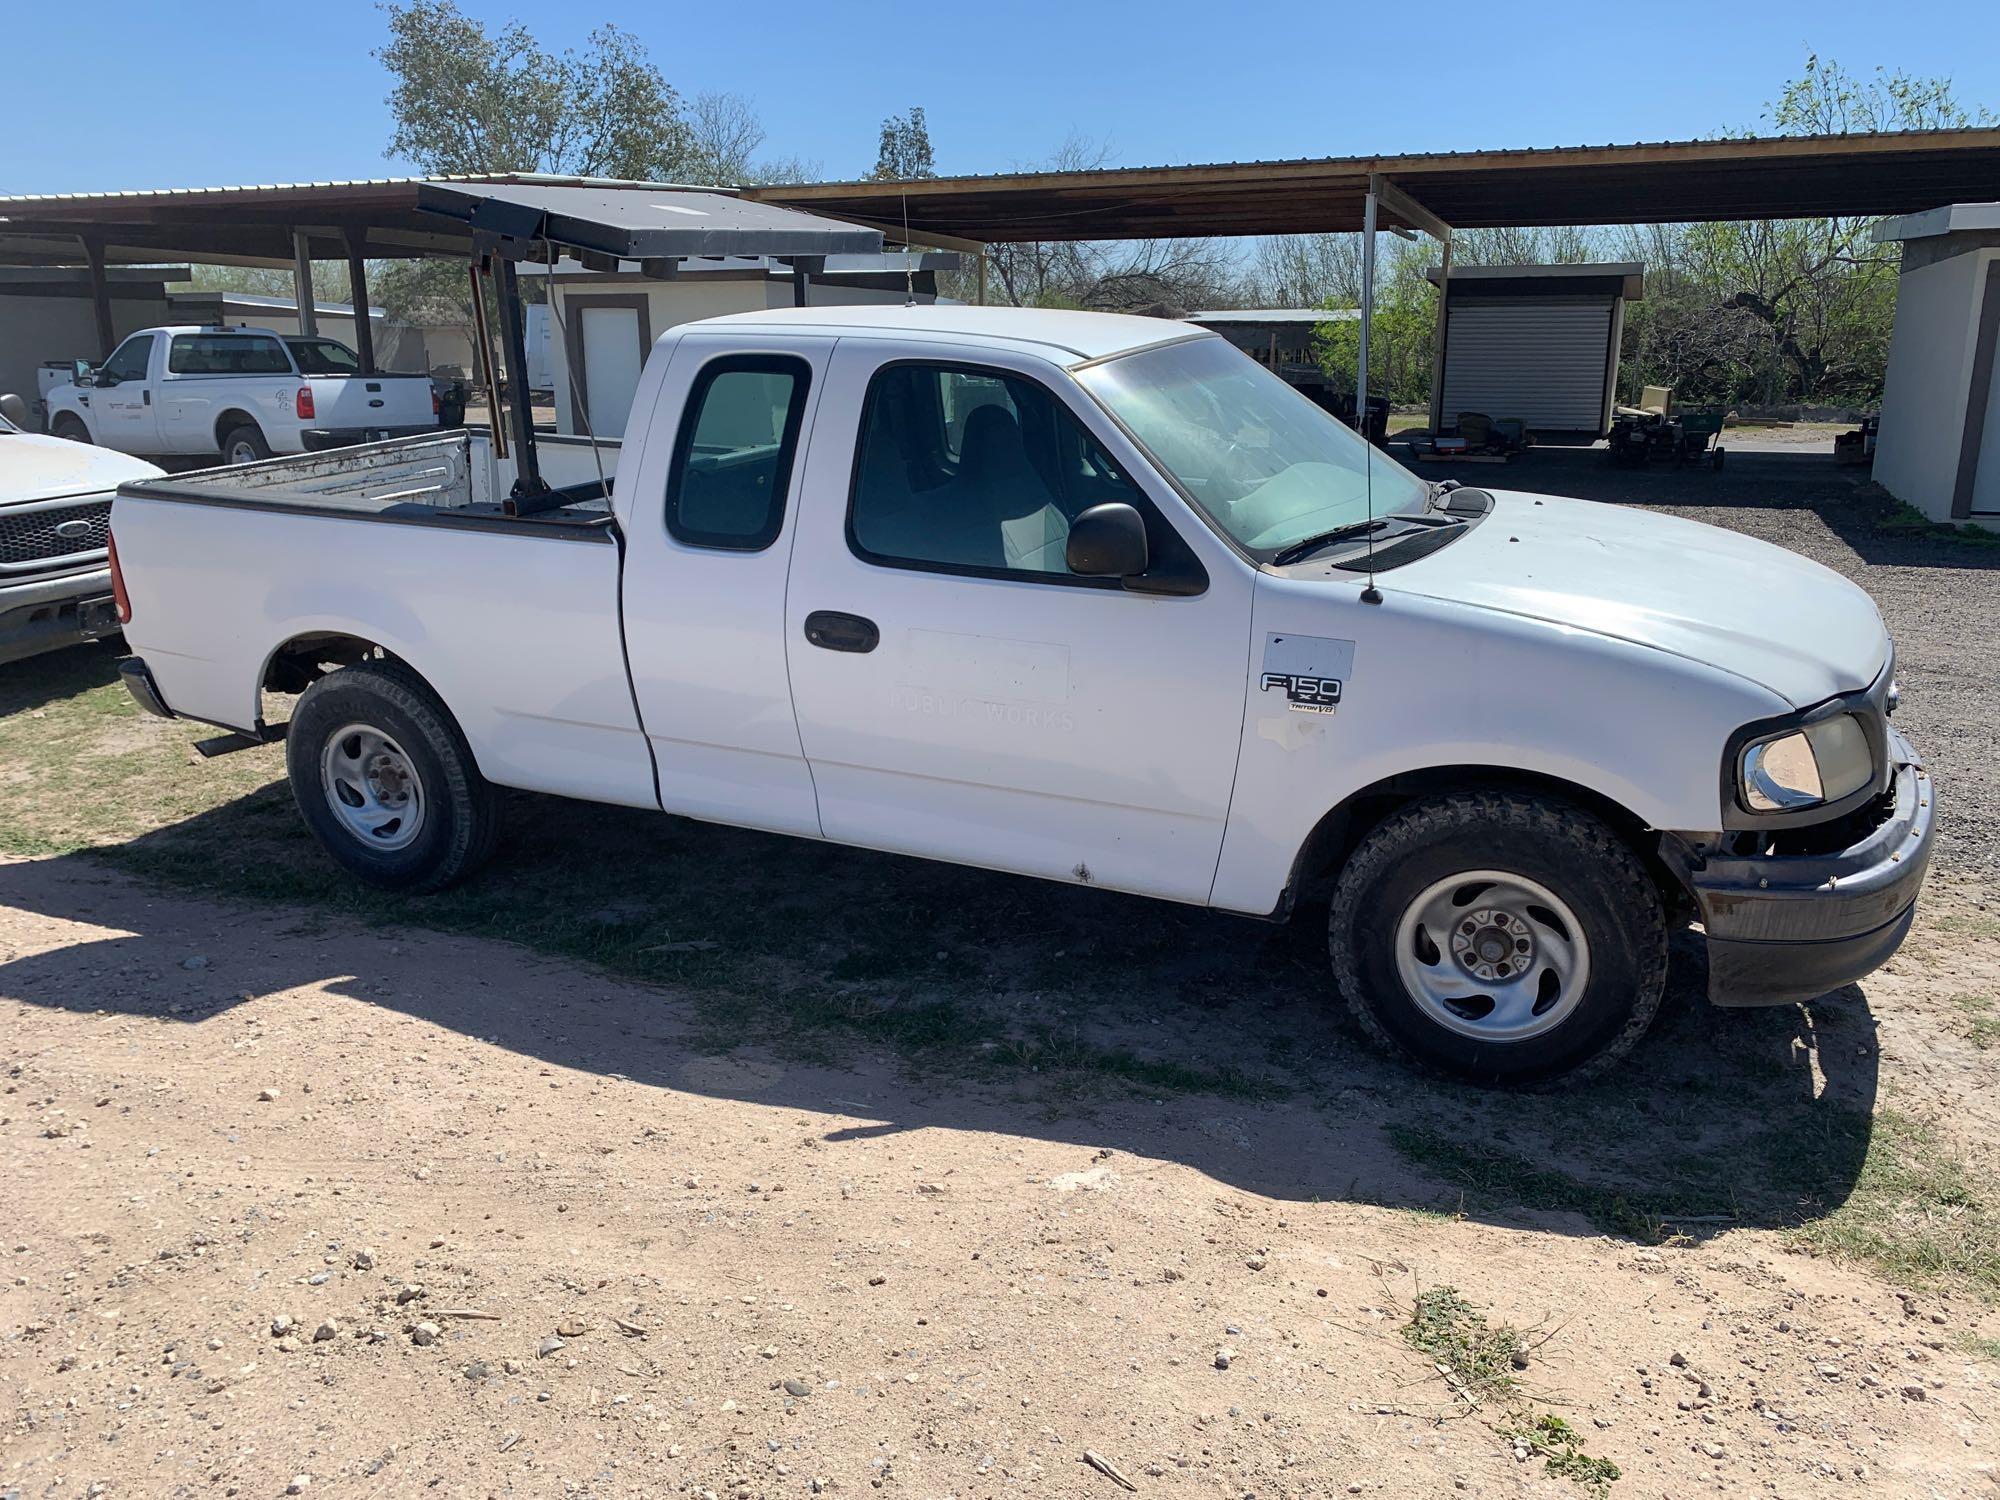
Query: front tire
1499, 937
71, 429
386, 782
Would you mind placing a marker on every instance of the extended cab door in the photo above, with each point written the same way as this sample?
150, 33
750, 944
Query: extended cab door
128, 418
709, 510
224, 375
960, 693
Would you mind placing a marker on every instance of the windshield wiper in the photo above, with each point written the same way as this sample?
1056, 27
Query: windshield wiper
1307, 545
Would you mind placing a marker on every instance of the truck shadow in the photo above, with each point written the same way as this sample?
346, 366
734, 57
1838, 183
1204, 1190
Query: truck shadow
793, 974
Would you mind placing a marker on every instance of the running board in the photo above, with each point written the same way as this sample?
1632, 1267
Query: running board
229, 744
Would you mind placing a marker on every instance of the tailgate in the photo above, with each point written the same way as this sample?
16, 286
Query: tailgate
369, 401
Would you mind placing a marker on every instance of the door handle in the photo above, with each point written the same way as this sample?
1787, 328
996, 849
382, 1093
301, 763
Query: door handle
835, 631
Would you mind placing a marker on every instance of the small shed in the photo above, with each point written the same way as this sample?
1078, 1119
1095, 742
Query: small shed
1535, 342
1938, 447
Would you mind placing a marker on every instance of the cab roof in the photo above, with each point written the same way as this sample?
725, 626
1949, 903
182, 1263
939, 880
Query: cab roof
1070, 337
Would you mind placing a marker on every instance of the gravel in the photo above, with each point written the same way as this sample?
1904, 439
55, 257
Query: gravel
1940, 596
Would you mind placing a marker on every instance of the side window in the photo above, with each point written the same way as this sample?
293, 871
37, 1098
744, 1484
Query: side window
965, 468
226, 354
128, 361
732, 464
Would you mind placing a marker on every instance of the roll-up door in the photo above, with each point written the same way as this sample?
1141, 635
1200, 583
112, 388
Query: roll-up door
1543, 360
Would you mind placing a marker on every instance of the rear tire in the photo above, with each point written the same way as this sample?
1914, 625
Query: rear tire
386, 782
244, 445
1499, 937
71, 428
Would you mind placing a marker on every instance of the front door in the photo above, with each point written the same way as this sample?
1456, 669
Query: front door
127, 419
709, 516
960, 693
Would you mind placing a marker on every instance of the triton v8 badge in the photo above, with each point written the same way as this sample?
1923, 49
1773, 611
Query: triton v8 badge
1308, 669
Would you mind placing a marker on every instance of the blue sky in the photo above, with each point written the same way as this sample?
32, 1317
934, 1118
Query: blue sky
112, 94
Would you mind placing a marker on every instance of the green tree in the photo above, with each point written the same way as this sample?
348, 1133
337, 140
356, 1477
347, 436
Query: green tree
467, 101
905, 152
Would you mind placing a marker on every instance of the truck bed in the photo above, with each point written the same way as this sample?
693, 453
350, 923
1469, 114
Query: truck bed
450, 479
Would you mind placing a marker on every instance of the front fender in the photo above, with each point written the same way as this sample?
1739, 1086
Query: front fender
1436, 685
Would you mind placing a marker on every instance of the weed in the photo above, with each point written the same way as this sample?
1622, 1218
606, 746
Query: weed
1982, 1027
1549, 1437
1475, 1357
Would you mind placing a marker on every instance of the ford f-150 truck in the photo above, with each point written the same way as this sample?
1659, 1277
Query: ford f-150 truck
55, 513
245, 393
1095, 599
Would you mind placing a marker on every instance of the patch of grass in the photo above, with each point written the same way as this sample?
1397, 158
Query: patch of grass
1982, 1027
1881, 1190
1549, 1437
1498, 1178
1913, 1213
1969, 924
1981, 1348
1903, 518
1475, 1357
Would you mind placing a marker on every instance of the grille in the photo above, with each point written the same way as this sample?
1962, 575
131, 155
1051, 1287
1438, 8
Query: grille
28, 536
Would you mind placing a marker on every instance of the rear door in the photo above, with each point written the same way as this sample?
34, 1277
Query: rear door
127, 418
961, 694
211, 375
709, 511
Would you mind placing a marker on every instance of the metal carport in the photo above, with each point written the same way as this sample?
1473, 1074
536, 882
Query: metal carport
491, 221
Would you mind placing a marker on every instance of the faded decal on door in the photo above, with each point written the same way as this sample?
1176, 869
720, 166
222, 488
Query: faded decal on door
1309, 673
985, 680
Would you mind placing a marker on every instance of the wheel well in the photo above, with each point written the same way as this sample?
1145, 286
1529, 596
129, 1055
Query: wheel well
303, 659
233, 418
68, 419
1337, 834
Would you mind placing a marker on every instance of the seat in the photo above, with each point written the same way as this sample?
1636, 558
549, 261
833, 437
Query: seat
1009, 515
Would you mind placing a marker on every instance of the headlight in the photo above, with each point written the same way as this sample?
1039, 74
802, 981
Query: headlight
1821, 763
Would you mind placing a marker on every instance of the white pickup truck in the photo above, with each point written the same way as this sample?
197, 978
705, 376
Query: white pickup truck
55, 516
1095, 599
245, 393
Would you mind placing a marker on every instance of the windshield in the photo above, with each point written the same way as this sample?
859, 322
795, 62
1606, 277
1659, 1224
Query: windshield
324, 357
1267, 465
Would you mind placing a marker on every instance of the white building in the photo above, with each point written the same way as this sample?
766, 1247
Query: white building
606, 321
1939, 444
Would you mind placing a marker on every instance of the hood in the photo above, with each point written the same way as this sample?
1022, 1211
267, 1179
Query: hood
1697, 591
33, 467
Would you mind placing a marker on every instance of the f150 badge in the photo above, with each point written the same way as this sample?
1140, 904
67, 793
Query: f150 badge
1308, 670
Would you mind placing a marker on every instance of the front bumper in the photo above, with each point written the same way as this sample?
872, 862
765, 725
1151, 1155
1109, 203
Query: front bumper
50, 613
1789, 927
318, 439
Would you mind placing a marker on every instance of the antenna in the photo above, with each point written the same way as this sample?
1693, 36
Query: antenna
909, 270
1371, 594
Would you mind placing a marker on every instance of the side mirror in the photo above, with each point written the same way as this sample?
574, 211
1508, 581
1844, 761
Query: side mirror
14, 410
1107, 541
81, 373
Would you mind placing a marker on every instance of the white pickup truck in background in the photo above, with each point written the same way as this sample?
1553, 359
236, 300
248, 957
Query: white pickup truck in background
244, 393
1094, 599
55, 517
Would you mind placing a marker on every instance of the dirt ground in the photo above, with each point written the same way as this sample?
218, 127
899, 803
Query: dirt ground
525, 1234
673, 1160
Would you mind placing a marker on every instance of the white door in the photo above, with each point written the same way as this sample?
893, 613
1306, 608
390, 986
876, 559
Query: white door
709, 517
613, 354
962, 695
122, 399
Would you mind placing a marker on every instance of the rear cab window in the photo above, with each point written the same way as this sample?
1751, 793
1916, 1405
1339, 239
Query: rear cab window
318, 356
227, 354
734, 454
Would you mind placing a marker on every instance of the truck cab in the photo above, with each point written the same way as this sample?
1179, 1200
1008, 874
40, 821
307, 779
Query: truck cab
243, 393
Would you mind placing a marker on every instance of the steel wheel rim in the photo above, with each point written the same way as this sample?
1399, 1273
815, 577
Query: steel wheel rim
242, 453
372, 787
1492, 956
